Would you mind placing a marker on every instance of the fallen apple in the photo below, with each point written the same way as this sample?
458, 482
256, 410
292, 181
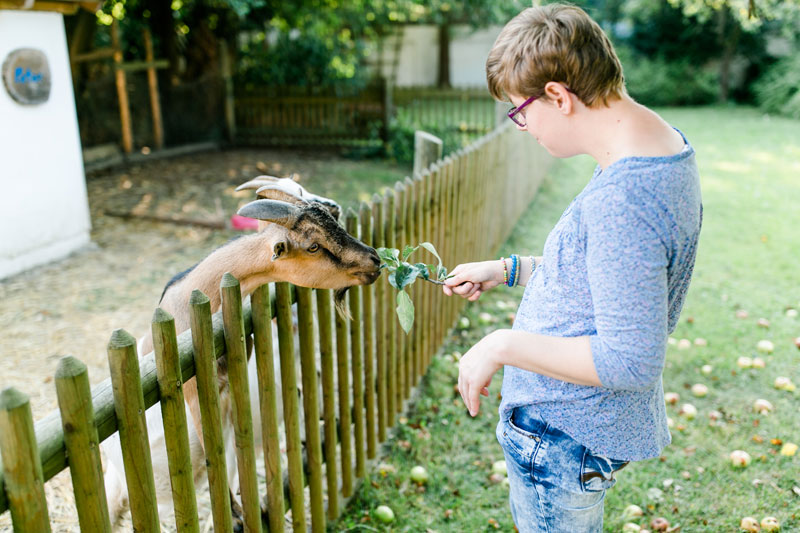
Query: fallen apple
671, 397
714, 415
630, 527
789, 449
797, 342
741, 313
744, 362
496, 478
759, 362
419, 475
485, 319
706, 370
385, 514
632, 511
763, 323
765, 346
672, 341
749, 524
791, 313
762, 406
670, 423
770, 524
784, 383
659, 523
463, 322
688, 411
699, 390
684, 344
700, 342
740, 458
499, 467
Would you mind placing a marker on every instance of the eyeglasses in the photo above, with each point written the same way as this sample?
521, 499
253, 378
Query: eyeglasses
514, 115
518, 119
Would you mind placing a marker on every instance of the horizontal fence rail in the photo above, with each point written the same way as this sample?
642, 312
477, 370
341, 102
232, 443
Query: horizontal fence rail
356, 374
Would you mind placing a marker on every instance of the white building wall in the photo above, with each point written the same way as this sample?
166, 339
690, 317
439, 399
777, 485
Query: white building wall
418, 63
44, 211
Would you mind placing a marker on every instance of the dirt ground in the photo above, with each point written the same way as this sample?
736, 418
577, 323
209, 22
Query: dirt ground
71, 307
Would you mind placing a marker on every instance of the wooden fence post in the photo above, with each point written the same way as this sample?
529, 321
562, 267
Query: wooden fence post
24, 483
381, 345
308, 366
367, 293
230, 100
129, 406
427, 149
236, 358
122, 91
268, 406
357, 353
208, 395
82, 443
291, 418
152, 83
345, 418
173, 410
325, 321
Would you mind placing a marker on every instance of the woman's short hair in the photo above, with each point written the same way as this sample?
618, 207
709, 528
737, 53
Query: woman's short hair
559, 43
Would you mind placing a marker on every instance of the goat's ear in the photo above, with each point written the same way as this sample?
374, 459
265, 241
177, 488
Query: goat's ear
278, 249
281, 213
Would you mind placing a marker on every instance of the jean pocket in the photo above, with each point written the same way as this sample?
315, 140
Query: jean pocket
598, 472
516, 440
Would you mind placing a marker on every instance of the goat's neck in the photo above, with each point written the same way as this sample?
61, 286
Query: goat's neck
248, 259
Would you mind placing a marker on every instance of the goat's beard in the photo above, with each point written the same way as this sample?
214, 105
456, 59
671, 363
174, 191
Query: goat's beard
341, 304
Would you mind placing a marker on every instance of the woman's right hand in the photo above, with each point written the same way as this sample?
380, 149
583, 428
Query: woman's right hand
470, 280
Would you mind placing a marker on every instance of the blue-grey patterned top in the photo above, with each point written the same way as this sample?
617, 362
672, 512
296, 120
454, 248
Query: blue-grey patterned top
616, 267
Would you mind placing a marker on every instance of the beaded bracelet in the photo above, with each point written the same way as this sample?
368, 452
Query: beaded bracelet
512, 279
505, 271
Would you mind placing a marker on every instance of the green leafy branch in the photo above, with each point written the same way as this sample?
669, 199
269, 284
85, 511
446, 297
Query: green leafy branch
402, 274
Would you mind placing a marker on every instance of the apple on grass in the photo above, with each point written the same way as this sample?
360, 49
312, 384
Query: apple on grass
688, 411
632, 511
499, 467
759, 362
770, 524
384, 513
419, 475
749, 524
765, 346
699, 390
789, 449
671, 397
762, 406
740, 458
706, 370
784, 383
744, 362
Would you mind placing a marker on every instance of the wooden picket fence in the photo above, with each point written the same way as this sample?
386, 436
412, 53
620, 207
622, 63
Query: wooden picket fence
466, 205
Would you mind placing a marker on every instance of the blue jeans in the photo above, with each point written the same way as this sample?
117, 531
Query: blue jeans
557, 485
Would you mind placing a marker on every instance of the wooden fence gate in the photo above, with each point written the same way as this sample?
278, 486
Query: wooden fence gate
466, 205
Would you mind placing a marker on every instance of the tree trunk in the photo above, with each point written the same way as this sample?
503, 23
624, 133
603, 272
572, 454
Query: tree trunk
444, 55
728, 31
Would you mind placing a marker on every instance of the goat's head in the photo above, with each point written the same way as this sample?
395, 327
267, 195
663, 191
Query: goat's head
311, 249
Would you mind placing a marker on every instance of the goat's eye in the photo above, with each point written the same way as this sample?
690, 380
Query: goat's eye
313, 248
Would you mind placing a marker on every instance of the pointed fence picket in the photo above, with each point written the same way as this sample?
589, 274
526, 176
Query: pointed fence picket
361, 370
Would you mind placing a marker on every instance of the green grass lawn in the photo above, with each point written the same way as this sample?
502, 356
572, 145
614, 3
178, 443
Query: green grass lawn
747, 260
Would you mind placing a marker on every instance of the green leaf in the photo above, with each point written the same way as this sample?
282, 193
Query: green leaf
441, 273
408, 250
405, 311
403, 276
428, 246
390, 256
424, 270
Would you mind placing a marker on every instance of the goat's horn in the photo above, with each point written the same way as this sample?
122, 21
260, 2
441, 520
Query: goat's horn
255, 183
281, 213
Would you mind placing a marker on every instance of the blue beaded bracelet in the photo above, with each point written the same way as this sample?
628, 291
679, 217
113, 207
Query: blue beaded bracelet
512, 278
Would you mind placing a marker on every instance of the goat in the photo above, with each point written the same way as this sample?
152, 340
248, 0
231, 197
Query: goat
299, 241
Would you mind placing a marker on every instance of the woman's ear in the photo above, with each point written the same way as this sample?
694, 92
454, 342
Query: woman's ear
561, 98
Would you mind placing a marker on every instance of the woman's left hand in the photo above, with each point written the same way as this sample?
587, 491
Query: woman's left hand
476, 369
